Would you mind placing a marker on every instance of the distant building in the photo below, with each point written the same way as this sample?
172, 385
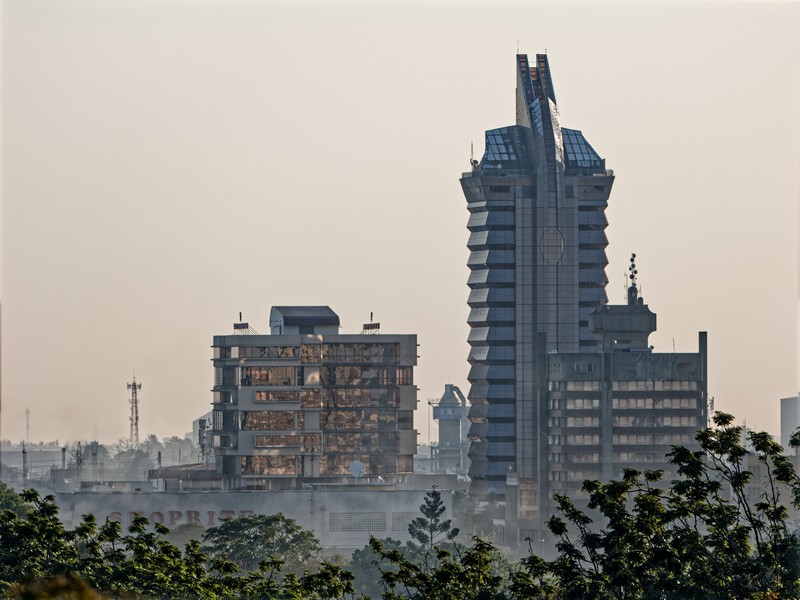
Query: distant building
342, 518
624, 406
790, 420
307, 403
451, 415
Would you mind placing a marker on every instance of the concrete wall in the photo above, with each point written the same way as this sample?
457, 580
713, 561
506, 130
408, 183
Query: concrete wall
342, 519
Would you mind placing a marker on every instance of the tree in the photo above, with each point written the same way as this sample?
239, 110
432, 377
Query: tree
34, 545
429, 529
467, 575
251, 539
367, 566
10, 500
40, 559
703, 536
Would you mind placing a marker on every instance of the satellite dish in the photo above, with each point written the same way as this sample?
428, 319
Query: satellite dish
357, 469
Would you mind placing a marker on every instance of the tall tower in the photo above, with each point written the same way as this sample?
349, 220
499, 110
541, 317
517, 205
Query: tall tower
134, 401
450, 413
537, 269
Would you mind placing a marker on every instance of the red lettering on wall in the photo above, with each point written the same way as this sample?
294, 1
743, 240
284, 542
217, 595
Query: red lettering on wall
226, 514
244, 513
174, 517
211, 522
115, 516
133, 515
156, 517
193, 517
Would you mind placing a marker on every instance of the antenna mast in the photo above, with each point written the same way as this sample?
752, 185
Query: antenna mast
633, 289
134, 387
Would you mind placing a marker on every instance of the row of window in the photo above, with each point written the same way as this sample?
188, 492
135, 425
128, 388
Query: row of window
360, 442
579, 439
316, 353
571, 475
273, 420
640, 457
263, 352
269, 465
366, 376
369, 521
653, 385
363, 420
335, 464
623, 386
326, 376
574, 403
651, 421
573, 457
330, 420
574, 421
623, 403
652, 439
338, 397
580, 386
594, 439
309, 443
661, 403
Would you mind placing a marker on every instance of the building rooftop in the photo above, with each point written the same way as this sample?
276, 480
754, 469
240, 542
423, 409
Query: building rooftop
303, 316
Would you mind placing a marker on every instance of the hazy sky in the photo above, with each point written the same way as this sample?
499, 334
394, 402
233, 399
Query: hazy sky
169, 163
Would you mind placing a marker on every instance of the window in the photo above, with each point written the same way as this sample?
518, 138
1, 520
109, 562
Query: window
357, 521
277, 396
269, 465
310, 353
269, 376
268, 352
401, 520
272, 421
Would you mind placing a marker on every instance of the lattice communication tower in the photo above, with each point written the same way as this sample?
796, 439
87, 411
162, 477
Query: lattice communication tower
134, 388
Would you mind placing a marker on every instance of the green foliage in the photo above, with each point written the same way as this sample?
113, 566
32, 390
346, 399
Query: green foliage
703, 536
10, 500
467, 575
367, 566
430, 529
248, 540
40, 559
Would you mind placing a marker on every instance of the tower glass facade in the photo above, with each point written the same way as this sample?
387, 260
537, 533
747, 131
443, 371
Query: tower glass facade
537, 268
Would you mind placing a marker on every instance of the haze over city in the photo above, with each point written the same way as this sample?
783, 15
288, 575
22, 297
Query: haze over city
167, 165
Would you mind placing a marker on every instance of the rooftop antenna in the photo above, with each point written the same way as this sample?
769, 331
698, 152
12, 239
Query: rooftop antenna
371, 327
134, 387
633, 290
472, 160
28, 426
517, 46
242, 328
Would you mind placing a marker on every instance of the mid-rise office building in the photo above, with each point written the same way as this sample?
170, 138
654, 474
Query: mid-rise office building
537, 266
308, 403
